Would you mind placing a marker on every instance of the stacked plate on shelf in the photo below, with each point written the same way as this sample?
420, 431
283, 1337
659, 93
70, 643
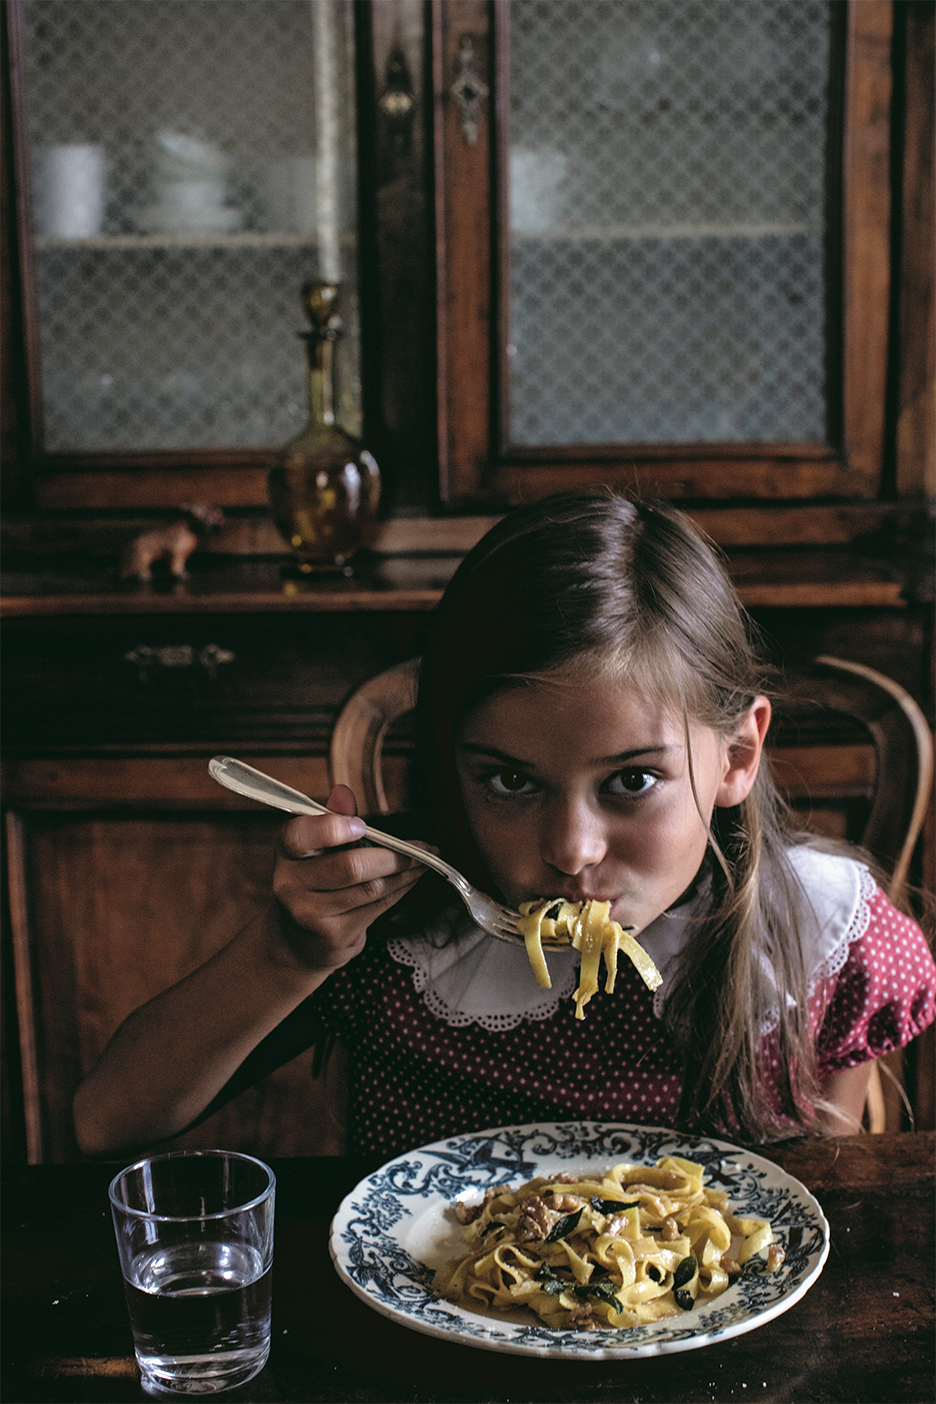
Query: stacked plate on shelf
190, 186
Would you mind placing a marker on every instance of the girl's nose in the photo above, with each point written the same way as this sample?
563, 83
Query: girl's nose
573, 838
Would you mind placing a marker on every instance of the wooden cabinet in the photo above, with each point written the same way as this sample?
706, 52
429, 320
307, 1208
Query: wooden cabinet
125, 864
153, 356
813, 314
869, 128
112, 902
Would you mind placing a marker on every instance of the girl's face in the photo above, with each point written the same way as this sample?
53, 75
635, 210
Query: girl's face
584, 791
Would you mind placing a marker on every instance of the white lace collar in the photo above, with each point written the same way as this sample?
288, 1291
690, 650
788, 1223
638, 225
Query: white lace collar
478, 980
474, 979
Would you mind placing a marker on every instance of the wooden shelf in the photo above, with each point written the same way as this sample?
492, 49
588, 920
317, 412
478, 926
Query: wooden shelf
251, 587
613, 233
183, 239
765, 579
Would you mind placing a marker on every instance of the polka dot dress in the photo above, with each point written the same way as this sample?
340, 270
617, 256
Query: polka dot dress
413, 1078
883, 996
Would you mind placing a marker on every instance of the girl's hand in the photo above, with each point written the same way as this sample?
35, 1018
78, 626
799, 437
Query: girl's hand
330, 891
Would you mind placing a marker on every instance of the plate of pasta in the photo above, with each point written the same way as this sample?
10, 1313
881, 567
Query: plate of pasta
580, 1239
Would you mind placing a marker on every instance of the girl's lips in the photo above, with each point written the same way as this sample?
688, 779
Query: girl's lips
576, 897
621, 903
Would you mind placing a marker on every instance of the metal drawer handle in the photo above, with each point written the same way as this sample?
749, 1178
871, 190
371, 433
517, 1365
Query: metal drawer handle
148, 659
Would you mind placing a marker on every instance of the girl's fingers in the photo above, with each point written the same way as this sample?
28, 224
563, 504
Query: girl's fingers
362, 903
341, 882
306, 836
326, 879
327, 869
342, 800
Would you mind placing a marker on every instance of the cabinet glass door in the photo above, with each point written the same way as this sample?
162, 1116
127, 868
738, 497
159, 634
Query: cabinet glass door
669, 225
668, 195
191, 166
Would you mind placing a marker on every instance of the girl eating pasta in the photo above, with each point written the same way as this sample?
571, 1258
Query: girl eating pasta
591, 717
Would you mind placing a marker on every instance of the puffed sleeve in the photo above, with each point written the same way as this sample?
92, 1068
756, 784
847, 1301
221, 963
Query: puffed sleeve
884, 995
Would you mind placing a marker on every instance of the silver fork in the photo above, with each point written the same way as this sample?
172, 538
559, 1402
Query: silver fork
245, 780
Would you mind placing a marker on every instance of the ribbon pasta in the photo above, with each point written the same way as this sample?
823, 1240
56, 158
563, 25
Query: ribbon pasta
635, 1244
588, 927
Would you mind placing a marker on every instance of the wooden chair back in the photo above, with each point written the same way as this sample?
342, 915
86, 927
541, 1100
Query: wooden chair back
903, 755
357, 739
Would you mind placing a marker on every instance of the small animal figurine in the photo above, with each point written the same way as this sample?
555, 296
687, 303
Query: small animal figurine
173, 541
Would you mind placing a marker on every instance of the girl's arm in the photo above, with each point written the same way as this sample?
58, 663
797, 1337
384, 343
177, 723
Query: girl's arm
170, 1058
173, 1055
846, 1091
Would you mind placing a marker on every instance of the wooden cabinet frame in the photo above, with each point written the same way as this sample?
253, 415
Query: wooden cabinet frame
80, 960
80, 480
476, 463
232, 477
432, 298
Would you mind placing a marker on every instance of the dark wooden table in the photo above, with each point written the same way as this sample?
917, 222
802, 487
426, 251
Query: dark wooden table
864, 1332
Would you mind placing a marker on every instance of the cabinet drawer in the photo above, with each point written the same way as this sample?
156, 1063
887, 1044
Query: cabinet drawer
187, 678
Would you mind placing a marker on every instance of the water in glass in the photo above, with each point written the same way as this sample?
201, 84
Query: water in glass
200, 1314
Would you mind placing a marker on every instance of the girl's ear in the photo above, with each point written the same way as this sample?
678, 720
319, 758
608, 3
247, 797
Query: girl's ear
742, 757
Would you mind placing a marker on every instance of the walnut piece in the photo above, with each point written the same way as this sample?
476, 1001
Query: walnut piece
534, 1221
566, 1203
580, 1318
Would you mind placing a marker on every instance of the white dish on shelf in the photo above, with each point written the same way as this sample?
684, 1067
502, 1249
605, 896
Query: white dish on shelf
396, 1228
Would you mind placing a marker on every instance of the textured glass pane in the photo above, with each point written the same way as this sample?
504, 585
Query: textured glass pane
191, 170
667, 192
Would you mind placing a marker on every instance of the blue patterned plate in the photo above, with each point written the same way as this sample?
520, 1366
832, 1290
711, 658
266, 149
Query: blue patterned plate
397, 1227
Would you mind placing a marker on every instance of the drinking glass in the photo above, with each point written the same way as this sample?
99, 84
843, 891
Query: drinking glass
195, 1237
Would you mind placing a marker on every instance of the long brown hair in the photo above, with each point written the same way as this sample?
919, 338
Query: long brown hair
591, 584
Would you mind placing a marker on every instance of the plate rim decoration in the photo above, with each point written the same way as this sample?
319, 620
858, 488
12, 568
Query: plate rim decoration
369, 1248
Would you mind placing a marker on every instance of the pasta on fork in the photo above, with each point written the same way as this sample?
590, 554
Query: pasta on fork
589, 928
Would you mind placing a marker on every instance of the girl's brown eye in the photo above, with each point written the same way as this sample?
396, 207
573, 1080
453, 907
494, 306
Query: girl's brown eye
509, 782
631, 782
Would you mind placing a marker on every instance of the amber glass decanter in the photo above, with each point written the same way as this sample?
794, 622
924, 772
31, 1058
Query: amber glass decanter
325, 487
